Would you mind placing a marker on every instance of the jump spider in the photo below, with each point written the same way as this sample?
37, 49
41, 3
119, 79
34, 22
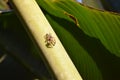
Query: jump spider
49, 40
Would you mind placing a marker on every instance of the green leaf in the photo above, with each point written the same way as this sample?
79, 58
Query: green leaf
96, 41
67, 32
15, 42
97, 24
83, 61
94, 23
90, 36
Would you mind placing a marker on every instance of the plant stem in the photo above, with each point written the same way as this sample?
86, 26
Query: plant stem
53, 50
3, 57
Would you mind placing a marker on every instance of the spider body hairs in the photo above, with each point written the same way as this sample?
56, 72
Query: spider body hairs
49, 40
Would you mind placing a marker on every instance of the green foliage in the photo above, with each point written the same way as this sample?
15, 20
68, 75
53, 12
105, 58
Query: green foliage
15, 41
90, 36
96, 41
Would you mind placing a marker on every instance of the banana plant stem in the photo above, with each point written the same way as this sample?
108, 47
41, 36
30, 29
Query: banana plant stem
46, 39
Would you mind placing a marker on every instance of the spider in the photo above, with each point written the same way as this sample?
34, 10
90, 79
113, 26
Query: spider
49, 40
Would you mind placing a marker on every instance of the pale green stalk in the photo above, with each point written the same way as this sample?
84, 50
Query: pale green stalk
3, 57
38, 26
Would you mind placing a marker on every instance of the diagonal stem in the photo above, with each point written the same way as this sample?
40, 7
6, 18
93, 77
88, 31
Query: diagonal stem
46, 39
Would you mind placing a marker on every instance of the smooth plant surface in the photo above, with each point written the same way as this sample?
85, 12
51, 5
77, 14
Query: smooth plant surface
90, 36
